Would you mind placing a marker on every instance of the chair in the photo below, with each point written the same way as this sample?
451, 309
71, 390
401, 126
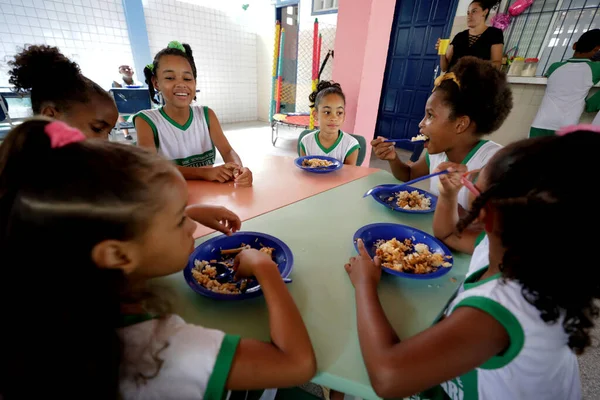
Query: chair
361, 141
130, 101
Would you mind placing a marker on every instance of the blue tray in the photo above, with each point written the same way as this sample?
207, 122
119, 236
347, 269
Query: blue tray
370, 234
211, 250
336, 164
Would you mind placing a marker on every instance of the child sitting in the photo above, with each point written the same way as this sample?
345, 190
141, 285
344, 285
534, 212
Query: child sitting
58, 90
470, 101
328, 103
185, 134
516, 323
105, 228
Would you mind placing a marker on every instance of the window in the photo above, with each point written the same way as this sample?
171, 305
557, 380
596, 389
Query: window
548, 29
324, 7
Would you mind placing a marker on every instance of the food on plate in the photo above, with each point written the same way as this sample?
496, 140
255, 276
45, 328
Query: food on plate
205, 274
412, 200
409, 257
316, 163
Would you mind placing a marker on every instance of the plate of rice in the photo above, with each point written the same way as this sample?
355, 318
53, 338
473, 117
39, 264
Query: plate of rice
318, 164
408, 199
405, 251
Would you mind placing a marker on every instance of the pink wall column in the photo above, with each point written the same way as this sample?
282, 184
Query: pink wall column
361, 46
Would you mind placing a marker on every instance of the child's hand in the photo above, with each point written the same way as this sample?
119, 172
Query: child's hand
249, 262
384, 151
243, 177
217, 218
222, 173
450, 185
362, 269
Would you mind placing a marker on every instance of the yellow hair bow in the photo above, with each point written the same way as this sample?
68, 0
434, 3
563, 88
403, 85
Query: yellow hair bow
447, 76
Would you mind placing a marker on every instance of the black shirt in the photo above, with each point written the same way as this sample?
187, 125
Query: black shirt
482, 48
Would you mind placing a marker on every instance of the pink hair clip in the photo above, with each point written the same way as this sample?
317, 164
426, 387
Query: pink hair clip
575, 128
61, 134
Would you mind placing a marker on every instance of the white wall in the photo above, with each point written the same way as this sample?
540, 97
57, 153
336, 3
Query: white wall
224, 44
91, 32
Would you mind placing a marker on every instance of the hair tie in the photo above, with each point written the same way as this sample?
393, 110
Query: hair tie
61, 134
150, 67
447, 76
575, 128
175, 45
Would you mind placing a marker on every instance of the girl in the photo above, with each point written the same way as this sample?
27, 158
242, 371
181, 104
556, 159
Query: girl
185, 134
328, 103
480, 40
96, 332
59, 90
471, 101
514, 327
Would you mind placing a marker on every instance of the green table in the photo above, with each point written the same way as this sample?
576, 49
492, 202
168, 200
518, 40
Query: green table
319, 231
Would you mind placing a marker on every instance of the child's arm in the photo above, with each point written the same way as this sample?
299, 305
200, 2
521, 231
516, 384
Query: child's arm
446, 215
450, 348
214, 217
402, 172
229, 155
351, 158
289, 359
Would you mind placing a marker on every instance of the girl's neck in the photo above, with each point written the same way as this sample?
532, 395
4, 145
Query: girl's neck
328, 138
478, 30
458, 153
179, 115
495, 257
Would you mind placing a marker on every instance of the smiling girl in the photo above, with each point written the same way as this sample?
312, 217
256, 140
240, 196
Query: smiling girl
467, 103
183, 133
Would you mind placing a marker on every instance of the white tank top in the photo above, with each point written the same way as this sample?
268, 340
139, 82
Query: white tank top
186, 145
477, 158
344, 145
538, 363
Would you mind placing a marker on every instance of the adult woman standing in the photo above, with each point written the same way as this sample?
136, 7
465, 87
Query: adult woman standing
479, 40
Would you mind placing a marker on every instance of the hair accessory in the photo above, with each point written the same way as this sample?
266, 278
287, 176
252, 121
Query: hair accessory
150, 67
61, 134
575, 128
175, 45
447, 76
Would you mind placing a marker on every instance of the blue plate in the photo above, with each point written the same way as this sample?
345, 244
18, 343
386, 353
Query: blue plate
382, 197
336, 164
370, 234
211, 250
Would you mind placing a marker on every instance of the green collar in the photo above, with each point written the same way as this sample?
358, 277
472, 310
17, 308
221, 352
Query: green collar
174, 123
333, 146
473, 281
579, 60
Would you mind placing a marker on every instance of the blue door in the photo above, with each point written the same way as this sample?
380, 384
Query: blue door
412, 64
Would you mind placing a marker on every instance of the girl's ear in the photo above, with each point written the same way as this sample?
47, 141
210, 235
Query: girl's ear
315, 113
462, 123
49, 110
115, 254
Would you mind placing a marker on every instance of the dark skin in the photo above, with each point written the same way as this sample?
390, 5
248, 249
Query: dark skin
454, 136
456, 345
95, 119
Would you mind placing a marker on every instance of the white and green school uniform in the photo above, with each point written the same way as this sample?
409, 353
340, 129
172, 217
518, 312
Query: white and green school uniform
538, 364
187, 145
477, 158
195, 361
342, 148
569, 83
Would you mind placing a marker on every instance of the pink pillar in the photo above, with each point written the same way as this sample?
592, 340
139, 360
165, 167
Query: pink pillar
361, 45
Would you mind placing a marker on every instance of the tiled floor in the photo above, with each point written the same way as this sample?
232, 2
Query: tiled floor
252, 138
